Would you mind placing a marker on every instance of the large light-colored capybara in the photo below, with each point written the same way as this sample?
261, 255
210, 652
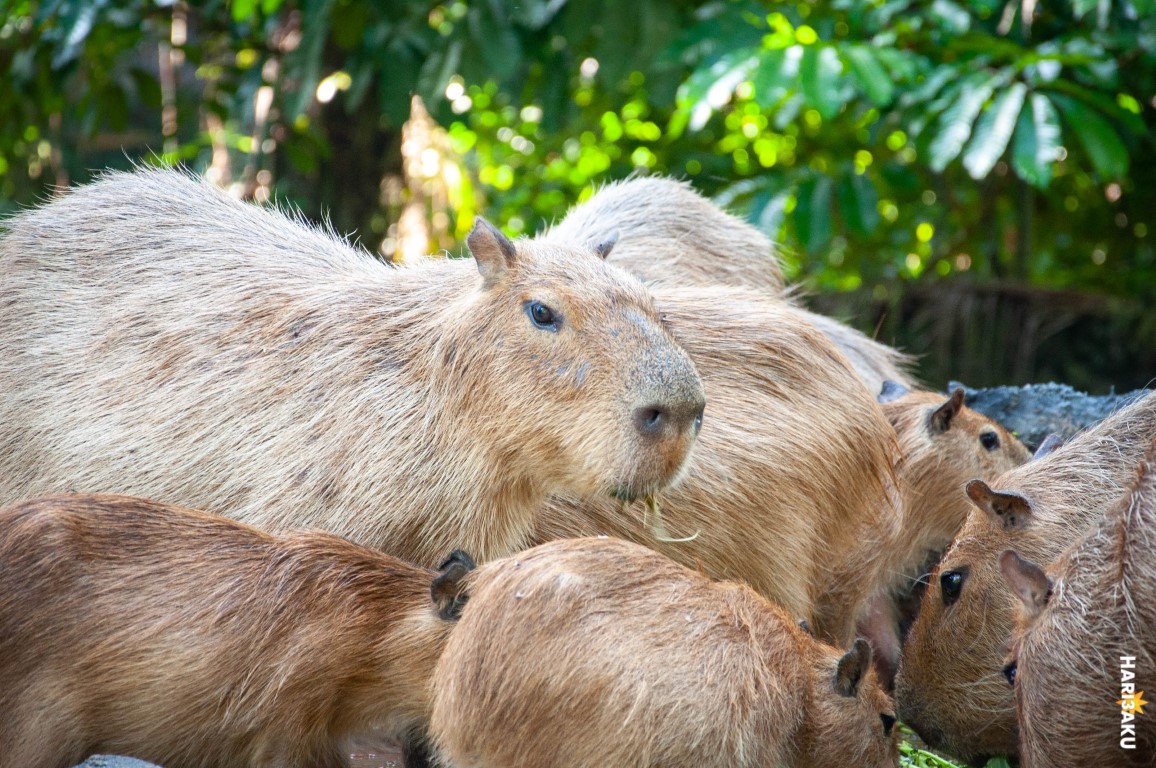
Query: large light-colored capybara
1085, 642
791, 489
950, 688
163, 340
193, 641
671, 235
598, 652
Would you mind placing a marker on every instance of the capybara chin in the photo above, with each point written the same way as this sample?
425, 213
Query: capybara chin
193, 641
164, 340
1085, 640
950, 686
588, 653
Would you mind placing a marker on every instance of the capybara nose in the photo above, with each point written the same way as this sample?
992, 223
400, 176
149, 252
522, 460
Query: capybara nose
661, 421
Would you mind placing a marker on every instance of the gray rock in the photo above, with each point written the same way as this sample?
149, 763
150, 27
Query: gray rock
1036, 410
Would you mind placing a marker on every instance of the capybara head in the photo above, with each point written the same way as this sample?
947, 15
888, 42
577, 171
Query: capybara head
1084, 642
555, 327
950, 685
944, 444
584, 653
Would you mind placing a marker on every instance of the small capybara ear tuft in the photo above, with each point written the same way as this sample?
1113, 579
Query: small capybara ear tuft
604, 248
1006, 508
1027, 580
852, 667
494, 252
891, 390
941, 418
448, 589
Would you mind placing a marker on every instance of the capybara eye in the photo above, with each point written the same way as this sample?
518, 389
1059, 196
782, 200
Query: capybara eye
888, 722
989, 440
1010, 673
542, 316
951, 583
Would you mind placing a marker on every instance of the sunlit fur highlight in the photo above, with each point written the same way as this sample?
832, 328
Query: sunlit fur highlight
596, 652
163, 340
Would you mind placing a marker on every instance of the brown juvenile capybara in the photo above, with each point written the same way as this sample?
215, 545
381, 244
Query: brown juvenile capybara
943, 444
792, 487
671, 235
163, 340
950, 688
1085, 641
587, 653
138, 628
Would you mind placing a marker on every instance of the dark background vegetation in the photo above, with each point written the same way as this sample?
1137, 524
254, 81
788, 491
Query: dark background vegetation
972, 181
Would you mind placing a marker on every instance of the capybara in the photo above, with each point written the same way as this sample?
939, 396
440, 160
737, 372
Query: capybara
587, 653
1085, 642
943, 444
671, 235
164, 340
792, 487
950, 688
191, 640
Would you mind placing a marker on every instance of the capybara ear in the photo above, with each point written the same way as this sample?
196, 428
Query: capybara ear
1049, 445
604, 248
892, 390
448, 589
494, 252
1027, 580
1008, 509
852, 667
941, 419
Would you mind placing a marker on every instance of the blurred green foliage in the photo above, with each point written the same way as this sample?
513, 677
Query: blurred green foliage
897, 148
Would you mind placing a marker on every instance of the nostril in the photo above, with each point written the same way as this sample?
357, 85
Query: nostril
650, 419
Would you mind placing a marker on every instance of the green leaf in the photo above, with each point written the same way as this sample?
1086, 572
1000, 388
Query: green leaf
869, 73
993, 131
494, 36
813, 213
243, 10
1107, 152
858, 203
776, 75
1037, 141
710, 87
819, 73
956, 121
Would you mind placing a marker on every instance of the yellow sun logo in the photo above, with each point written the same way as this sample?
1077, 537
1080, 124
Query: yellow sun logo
1133, 702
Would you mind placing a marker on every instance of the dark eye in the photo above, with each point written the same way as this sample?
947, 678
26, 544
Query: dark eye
541, 315
1010, 673
989, 440
951, 583
888, 722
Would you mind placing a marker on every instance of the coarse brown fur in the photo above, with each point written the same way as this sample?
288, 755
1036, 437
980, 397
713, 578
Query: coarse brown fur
163, 340
791, 489
950, 687
671, 235
943, 444
597, 652
193, 641
1071, 638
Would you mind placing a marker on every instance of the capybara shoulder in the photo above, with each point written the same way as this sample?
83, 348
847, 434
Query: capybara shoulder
133, 627
597, 652
224, 356
950, 686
